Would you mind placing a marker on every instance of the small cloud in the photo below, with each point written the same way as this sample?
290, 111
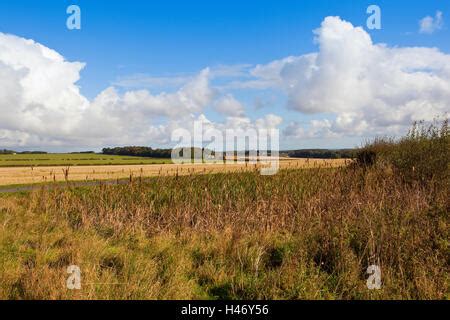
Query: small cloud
428, 25
230, 71
148, 81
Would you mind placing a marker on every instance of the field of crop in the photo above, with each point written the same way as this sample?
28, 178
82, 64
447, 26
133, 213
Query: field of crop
300, 234
34, 175
68, 159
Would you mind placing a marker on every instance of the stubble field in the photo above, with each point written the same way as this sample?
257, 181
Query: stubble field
48, 174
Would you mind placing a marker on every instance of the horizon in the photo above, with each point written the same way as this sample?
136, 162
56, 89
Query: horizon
101, 151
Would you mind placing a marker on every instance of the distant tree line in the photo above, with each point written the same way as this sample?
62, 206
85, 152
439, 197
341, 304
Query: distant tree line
323, 153
138, 152
33, 152
196, 153
83, 152
5, 151
149, 152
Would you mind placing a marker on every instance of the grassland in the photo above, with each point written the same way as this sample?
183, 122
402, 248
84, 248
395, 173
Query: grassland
300, 234
303, 233
69, 159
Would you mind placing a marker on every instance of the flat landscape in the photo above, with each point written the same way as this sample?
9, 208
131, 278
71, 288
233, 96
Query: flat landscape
44, 174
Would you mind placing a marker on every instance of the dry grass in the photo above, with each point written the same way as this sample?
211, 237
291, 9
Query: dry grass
299, 234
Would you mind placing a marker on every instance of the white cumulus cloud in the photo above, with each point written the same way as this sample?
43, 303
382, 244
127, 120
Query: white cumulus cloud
41, 104
366, 87
351, 86
38, 92
430, 24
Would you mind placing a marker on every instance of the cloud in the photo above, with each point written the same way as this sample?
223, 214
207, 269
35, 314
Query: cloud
140, 80
230, 71
349, 87
228, 105
429, 25
240, 128
367, 88
146, 81
270, 121
41, 105
39, 95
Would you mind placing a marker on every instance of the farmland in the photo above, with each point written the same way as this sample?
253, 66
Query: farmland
73, 159
300, 234
50, 174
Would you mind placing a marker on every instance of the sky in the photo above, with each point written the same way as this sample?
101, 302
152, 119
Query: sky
138, 70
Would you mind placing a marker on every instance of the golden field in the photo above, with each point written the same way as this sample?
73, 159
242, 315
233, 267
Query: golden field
32, 175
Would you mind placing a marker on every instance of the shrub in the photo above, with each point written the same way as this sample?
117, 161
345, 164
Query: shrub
422, 155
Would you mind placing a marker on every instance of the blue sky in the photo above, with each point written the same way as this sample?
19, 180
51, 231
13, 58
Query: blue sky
176, 39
